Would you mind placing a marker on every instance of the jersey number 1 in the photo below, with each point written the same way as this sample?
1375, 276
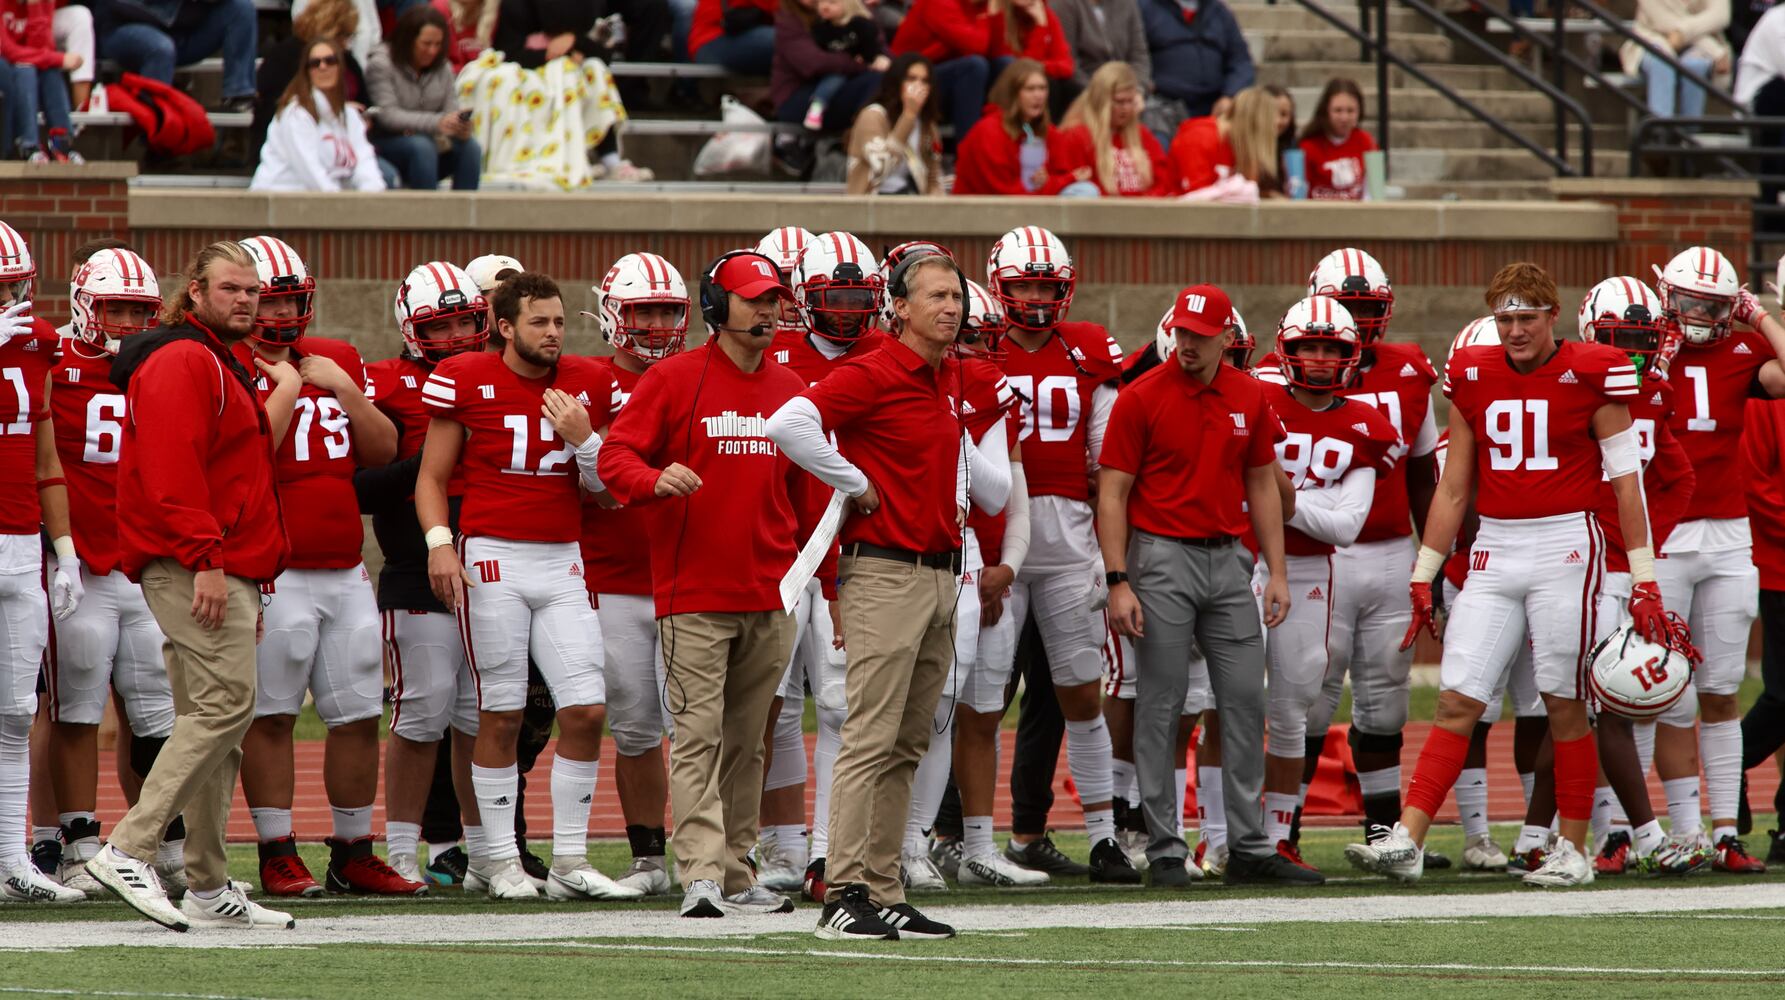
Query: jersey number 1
1519, 430
15, 377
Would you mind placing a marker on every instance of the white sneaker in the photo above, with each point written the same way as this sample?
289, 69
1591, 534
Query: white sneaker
1393, 854
408, 866
232, 908
777, 868
72, 873
996, 869
647, 875
475, 867
135, 883
32, 886
502, 880
755, 900
920, 874
703, 900
1134, 844
575, 878
1482, 854
1563, 866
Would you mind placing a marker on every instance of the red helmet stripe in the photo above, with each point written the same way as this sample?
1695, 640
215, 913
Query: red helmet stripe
6, 241
440, 279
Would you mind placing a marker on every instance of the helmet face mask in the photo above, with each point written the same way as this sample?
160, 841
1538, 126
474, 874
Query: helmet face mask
1038, 303
643, 307
652, 329
783, 246
982, 326
1698, 292
274, 330
1624, 313
448, 333
838, 288
1033, 257
1356, 280
1319, 325
115, 317
1240, 346
441, 313
113, 295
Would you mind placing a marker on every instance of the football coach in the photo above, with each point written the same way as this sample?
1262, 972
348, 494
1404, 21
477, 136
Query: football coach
899, 459
1189, 456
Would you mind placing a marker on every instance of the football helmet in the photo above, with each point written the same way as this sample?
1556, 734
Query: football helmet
1318, 319
783, 246
1635, 678
484, 270
889, 320
1478, 333
17, 269
983, 325
1031, 253
1238, 354
111, 276
1359, 283
1698, 289
641, 279
282, 275
837, 287
435, 291
1624, 313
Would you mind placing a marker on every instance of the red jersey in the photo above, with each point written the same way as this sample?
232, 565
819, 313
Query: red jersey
1319, 448
1055, 383
1667, 478
394, 385
316, 462
1335, 170
1714, 383
88, 411
1535, 454
1764, 449
616, 541
986, 398
25, 363
1199, 156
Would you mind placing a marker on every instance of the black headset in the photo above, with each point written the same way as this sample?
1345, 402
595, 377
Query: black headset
715, 299
895, 282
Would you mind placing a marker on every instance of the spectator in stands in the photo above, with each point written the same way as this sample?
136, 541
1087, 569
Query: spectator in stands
1103, 31
1241, 140
1027, 28
1102, 131
335, 20
902, 154
1015, 149
1333, 145
151, 37
71, 31
828, 60
534, 32
956, 37
1760, 87
39, 83
473, 29
1200, 59
416, 123
736, 34
317, 141
1693, 31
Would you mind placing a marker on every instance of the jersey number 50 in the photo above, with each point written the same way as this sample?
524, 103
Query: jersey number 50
1519, 430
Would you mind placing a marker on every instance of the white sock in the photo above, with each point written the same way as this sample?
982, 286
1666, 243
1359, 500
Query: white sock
610, 160
1600, 823
1183, 776
15, 790
1645, 745
1100, 824
496, 789
41, 834
70, 818
791, 841
171, 854
573, 796
1121, 779
401, 838
1471, 794
1087, 756
824, 765
475, 844
352, 823
1527, 780
1211, 807
1384, 782
1683, 814
208, 893
1301, 794
976, 837
434, 850
271, 824
1279, 812
1530, 838
1720, 748
1646, 838
930, 783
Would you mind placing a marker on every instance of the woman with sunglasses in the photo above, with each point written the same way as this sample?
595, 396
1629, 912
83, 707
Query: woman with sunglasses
317, 141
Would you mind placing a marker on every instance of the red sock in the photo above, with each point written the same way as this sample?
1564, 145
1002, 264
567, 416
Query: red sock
1440, 762
1577, 767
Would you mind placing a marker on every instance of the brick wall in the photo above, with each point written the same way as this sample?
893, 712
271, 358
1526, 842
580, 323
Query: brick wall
58, 208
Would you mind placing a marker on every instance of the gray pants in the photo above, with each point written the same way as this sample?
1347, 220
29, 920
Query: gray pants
1190, 595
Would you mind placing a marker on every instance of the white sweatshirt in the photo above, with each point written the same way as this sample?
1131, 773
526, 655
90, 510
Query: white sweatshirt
303, 154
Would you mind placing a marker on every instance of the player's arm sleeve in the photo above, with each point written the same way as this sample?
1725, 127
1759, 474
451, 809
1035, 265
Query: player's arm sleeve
173, 404
991, 470
797, 428
1016, 521
633, 440
1103, 400
1336, 515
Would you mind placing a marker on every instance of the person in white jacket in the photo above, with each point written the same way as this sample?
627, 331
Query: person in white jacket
317, 142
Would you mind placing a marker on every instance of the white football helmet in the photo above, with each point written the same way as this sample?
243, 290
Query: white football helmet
108, 278
836, 283
16, 266
642, 279
1031, 253
1635, 678
282, 275
889, 319
1698, 290
1358, 281
983, 325
1478, 333
486, 271
783, 246
1318, 319
1624, 313
1237, 354
438, 291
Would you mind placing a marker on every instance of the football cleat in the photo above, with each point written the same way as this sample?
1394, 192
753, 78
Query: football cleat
573, 877
647, 875
1481, 854
1562, 867
946, 853
282, 872
1733, 857
703, 900
1437, 862
1212, 861
1172, 873
1686, 855
1270, 869
535, 869
1775, 855
1293, 854
353, 868
920, 874
1391, 853
408, 866
814, 887
998, 870
1110, 864
47, 856
32, 886
776, 868
1134, 844
1614, 857
852, 916
1041, 855
757, 900
448, 868
1522, 863
910, 923
135, 883
232, 909
73, 875
503, 879
173, 875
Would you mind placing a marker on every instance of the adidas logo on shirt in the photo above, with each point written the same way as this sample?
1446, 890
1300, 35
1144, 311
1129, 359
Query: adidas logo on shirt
1361, 427
1655, 400
1408, 371
1568, 378
583, 397
1741, 348
1573, 559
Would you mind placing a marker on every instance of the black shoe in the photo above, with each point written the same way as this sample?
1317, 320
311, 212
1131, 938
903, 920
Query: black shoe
448, 868
907, 922
1168, 873
237, 105
1041, 855
1744, 817
852, 916
1775, 855
46, 857
1436, 861
536, 869
1109, 863
1271, 869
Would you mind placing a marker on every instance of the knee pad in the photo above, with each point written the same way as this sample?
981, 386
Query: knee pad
1362, 742
1287, 728
1681, 713
789, 766
143, 751
831, 718
635, 737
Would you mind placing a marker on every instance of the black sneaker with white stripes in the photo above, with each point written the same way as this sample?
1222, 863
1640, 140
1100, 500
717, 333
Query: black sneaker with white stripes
905, 918
852, 916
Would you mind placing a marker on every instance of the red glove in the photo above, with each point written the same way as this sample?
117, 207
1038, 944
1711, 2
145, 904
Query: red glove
1648, 614
1423, 614
1747, 309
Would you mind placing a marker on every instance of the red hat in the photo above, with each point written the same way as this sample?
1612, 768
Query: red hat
751, 275
1202, 309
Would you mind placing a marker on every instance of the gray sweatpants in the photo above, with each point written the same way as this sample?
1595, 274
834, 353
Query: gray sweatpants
1192, 595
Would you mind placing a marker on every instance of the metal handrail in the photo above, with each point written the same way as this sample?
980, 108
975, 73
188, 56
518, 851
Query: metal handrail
1572, 59
1728, 160
1681, 70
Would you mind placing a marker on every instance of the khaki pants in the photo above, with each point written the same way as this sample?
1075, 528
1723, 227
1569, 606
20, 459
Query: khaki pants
213, 676
722, 671
898, 622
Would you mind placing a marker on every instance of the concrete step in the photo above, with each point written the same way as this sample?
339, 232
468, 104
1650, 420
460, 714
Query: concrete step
1290, 16
1327, 44
1473, 190
1472, 135
1421, 166
1413, 104
1315, 73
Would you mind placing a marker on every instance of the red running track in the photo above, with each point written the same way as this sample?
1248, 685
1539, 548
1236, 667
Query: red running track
310, 816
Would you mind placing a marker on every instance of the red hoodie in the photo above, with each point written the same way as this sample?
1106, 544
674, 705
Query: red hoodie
1762, 444
989, 161
947, 29
1080, 153
27, 36
709, 19
1046, 45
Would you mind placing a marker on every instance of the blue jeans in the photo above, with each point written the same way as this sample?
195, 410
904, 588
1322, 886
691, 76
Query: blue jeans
683, 13
961, 86
9, 89
421, 163
845, 100
827, 87
30, 86
1081, 189
229, 27
1661, 78
749, 53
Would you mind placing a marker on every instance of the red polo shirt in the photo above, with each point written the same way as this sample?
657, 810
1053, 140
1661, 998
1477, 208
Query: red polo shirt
1188, 446
894, 418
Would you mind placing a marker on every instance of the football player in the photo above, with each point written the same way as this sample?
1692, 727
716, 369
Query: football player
321, 615
783, 246
1533, 425
488, 271
520, 423
439, 313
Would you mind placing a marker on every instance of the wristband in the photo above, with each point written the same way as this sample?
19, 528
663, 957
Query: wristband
1427, 565
439, 536
589, 449
64, 546
1642, 564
